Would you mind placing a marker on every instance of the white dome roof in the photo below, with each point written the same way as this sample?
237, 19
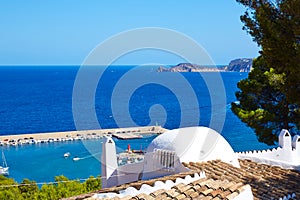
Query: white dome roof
194, 144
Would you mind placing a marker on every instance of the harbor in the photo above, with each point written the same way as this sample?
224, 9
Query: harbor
120, 133
50, 159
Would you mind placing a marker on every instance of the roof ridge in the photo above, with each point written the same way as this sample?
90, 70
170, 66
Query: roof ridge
178, 183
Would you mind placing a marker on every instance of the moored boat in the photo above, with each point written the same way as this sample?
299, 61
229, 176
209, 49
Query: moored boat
4, 168
66, 155
76, 158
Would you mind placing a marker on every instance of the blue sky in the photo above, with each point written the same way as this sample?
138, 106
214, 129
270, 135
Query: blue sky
63, 32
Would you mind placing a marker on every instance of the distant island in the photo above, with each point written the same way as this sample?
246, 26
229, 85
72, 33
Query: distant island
237, 65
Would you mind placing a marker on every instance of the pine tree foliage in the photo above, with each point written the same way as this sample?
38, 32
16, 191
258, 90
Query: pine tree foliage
269, 98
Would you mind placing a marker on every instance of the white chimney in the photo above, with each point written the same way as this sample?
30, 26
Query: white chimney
109, 163
285, 140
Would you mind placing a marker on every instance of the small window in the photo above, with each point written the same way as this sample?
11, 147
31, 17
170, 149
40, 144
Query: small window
287, 134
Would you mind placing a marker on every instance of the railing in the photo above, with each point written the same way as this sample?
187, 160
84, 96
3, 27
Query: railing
164, 158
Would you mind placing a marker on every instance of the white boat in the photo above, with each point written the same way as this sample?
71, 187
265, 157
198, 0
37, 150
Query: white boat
76, 158
66, 155
4, 168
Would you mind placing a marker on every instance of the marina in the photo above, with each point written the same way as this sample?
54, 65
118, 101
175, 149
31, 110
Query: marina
120, 133
48, 160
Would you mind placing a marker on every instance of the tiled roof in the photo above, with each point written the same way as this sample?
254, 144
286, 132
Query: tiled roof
267, 182
223, 182
205, 189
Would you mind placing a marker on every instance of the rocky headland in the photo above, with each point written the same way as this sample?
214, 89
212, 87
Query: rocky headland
237, 65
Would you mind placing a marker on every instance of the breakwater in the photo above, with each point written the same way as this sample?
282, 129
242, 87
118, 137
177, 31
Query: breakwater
35, 138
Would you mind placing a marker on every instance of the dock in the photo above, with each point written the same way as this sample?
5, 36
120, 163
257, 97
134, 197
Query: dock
126, 136
121, 133
137, 132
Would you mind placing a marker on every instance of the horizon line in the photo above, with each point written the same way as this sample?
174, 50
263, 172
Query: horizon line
78, 65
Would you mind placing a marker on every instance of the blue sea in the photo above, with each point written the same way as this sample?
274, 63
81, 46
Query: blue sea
38, 99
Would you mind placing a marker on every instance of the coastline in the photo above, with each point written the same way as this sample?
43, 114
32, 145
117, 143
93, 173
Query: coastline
35, 138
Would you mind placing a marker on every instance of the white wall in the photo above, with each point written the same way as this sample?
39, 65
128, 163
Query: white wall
155, 164
129, 173
109, 163
245, 195
287, 155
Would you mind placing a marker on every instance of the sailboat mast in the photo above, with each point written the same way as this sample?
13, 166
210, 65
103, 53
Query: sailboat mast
4, 160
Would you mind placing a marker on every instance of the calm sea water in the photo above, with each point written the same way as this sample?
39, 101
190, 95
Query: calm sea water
39, 99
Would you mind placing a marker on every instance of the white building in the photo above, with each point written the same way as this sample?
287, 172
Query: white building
287, 155
197, 162
165, 157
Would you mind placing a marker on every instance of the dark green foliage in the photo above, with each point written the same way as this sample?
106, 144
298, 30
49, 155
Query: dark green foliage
276, 28
93, 183
8, 193
62, 188
262, 105
28, 188
65, 188
270, 96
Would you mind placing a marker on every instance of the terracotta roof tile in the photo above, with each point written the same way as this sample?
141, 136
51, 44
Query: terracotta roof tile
235, 187
196, 187
200, 189
227, 185
181, 187
216, 193
223, 182
162, 195
157, 192
232, 195
276, 182
143, 196
206, 198
224, 194
192, 195
172, 193
180, 196
200, 182
207, 192
190, 191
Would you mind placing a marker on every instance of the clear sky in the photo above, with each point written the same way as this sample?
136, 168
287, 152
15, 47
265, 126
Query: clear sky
63, 32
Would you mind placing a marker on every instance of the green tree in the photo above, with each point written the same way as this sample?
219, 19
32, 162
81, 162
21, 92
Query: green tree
270, 96
8, 189
48, 192
67, 188
28, 189
92, 184
11, 190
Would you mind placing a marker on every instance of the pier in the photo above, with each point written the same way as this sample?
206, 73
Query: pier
121, 133
126, 136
